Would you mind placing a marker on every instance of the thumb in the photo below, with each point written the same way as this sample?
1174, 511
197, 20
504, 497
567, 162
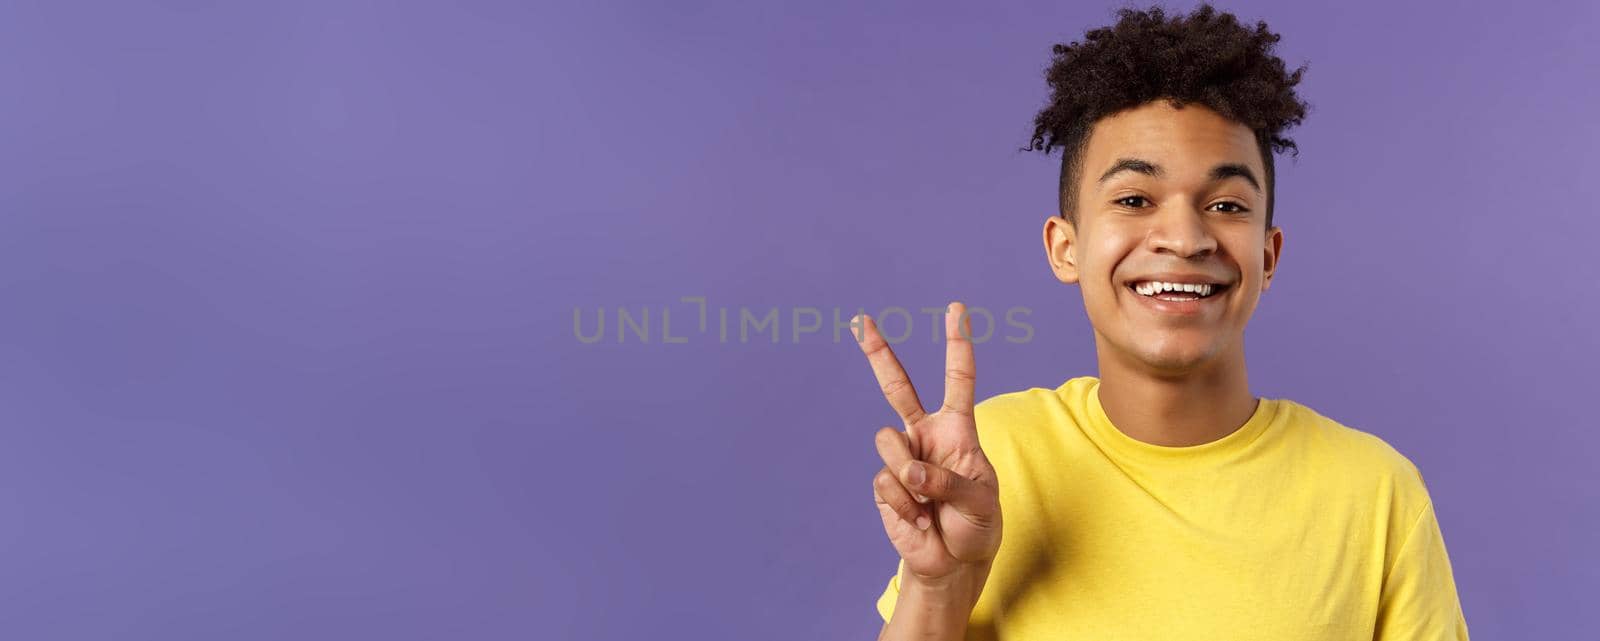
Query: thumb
976, 500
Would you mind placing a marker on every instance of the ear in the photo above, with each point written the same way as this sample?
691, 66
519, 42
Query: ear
1271, 252
1060, 245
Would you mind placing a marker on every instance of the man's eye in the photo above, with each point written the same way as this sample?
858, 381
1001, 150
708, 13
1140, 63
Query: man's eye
1124, 201
1236, 208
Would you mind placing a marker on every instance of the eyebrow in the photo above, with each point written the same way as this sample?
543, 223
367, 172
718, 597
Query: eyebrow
1218, 173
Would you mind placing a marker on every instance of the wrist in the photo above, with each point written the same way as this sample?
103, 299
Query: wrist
958, 589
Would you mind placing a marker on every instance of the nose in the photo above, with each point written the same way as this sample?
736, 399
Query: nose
1182, 231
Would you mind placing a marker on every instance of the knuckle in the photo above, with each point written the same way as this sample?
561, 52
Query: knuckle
914, 416
959, 374
872, 343
894, 386
947, 483
883, 481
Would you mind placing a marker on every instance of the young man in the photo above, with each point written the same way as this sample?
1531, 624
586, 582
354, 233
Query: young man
1162, 499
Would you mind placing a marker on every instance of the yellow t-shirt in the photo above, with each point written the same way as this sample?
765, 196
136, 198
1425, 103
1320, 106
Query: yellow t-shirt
1291, 527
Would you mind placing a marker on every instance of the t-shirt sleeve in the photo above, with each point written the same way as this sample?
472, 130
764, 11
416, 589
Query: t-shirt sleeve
890, 594
1419, 600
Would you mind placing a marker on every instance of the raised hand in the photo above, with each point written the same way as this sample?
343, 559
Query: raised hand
937, 492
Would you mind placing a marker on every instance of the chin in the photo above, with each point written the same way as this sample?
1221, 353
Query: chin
1177, 359
1173, 365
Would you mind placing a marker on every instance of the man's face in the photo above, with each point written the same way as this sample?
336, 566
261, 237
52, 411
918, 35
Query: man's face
1168, 196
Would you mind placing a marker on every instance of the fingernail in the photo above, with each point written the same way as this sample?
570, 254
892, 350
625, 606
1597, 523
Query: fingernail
923, 523
915, 476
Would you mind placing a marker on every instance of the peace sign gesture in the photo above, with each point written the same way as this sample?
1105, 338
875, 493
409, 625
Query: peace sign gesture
936, 459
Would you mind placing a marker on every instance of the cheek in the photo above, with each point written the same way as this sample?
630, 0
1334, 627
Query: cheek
1250, 252
1102, 296
1104, 260
1099, 284
1096, 276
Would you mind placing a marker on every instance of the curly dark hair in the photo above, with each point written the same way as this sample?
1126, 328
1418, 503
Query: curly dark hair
1206, 57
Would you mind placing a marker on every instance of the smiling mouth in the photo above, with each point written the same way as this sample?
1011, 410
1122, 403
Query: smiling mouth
1174, 292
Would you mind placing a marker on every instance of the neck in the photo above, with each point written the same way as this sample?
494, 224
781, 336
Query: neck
1177, 409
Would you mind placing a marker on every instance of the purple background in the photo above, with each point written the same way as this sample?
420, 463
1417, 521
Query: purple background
288, 350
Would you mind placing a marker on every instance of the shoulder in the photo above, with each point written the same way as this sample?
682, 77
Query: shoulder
1352, 458
1029, 405
1020, 404
1348, 444
1026, 416
1036, 399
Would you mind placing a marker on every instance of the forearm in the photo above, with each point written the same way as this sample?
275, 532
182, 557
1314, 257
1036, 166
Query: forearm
932, 612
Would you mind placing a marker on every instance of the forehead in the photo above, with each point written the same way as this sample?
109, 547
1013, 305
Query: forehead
1187, 141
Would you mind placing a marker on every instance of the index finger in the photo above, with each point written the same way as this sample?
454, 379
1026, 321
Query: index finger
960, 370
891, 376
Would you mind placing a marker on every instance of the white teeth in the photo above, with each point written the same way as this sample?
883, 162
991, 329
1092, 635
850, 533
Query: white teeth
1152, 288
